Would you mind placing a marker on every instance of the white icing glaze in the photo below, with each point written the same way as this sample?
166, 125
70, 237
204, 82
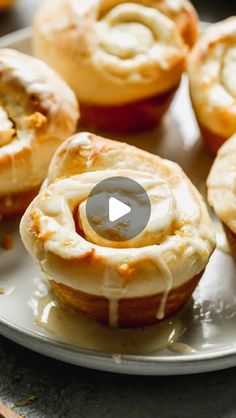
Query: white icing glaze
174, 247
169, 283
74, 328
181, 348
212, 69
219, 97
32, 99
175, 5
133, 40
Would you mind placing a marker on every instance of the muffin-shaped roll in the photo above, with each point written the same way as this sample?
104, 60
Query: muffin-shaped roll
222, 188
130, 283
123, 59
37, 112
212, 69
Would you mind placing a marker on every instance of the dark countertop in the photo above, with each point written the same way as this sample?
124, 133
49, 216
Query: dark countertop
65, 391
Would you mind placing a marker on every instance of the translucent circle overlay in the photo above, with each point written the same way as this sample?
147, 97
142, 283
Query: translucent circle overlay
130, 193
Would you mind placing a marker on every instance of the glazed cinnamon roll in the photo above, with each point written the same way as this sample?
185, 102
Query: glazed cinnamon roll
213, 83
135, 282
123, 59
37, 112
221, 189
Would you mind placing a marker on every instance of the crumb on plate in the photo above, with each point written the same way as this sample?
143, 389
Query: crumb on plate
26, 401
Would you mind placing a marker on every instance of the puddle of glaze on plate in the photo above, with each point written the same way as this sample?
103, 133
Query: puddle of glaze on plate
77, 329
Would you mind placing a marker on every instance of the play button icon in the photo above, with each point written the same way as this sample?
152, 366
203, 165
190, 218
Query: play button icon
118, 209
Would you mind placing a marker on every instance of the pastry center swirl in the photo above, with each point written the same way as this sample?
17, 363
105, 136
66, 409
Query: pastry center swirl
219, 74
128, 30
127, 39
133, 41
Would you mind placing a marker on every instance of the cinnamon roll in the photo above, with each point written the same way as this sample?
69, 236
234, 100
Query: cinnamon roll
124, 59
222, 191
37, 112
212, 67
131, 283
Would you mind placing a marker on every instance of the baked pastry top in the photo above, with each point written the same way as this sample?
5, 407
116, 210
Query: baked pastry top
174, 247
212, 71
222, 184
37, 112
116, 52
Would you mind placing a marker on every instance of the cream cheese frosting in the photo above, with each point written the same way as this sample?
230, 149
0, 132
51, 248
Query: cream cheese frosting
114, 52
212, 71
174, 247
222, 184
37, 112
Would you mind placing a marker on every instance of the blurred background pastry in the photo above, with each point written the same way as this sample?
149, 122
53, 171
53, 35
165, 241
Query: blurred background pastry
37, 112
212, 72
134, 282
124, 60
5, 4
222, 189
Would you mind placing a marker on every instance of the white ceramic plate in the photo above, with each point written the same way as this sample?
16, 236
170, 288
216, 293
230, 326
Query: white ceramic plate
211, 331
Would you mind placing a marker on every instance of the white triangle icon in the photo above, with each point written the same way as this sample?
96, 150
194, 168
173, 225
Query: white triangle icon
117, 209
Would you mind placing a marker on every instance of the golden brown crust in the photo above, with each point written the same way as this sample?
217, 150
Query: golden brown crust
132, 312
211, 71
129, 118
15, 204
38, 111
221, 184
117, 54
211, 139
188, 25
103, 154
137, 276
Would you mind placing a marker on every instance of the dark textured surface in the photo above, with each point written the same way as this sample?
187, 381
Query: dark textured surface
70, 392
64, 391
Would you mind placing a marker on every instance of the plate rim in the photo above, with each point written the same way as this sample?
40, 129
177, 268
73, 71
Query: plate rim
16, 36
126, 364
129, 363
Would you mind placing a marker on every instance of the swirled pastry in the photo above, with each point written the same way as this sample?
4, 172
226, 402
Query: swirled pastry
212, 69
123, 59
37, 112
131, 283
221, 188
